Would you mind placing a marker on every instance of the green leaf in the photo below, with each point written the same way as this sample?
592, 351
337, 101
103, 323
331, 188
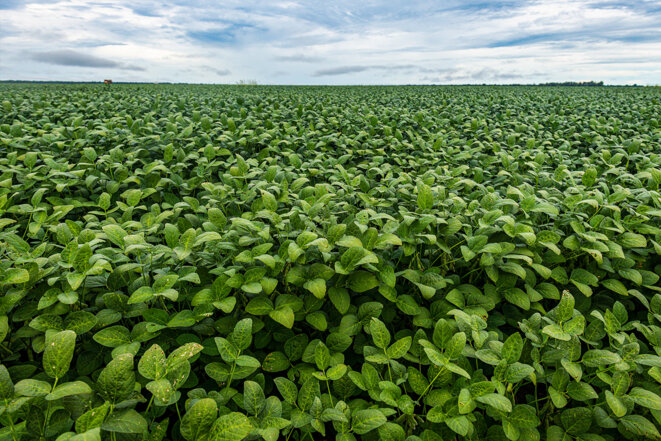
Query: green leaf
81, 261
565, 308
253, 397
68, 389
640, 426
340, 299
80, 322
632, 240
556, 331
93, 418
615, 404
321, 356
496, 401
399, 348
113, 336
512, 348
152, 363
4, 327
600, 357
198, 419
581, 391
161, 389
576, 420
517, 297
58, 353
318, 320
379, 332
227, 350
125, 421
231, 427
287, 389
366, 420
455, 345
32, 388
459, 424
307, 393
524, 416
117, 379
336, 372
6, 384
89, 435
584, 277
645, 398
261, 305
316, 287
115, 234
14, 276
615, 286
425, 197
283, 315
361, 281
517, 372
242, 335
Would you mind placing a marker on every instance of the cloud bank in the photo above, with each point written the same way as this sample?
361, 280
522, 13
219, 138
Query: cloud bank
341, 42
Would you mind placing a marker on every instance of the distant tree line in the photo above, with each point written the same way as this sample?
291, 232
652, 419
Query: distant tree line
575, 83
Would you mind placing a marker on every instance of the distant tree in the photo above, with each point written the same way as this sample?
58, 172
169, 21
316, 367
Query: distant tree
575, 83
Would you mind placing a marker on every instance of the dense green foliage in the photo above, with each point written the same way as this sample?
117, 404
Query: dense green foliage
414, 263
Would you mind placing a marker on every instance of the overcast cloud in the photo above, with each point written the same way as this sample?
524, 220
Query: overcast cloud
326, 42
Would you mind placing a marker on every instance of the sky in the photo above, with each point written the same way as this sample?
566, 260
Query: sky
332, 42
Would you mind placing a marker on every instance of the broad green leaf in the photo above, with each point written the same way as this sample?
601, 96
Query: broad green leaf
617, 407
361, 281
363, 421
496, 401
117, 379
640, 426
512, 348
399, 348
58, 353
645, 398
316, 287
600, 357
161, 389
125, 421
68, 389
242, 334
115, 234
32, 388
198, 419
253, 397
380, 334
231, 427
113, 336
287, 389
6, 384
283, 315
152, 363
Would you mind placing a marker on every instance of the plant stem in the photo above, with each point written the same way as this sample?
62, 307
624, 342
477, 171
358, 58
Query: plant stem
430, 384
176, 406
11, 422
329, 392
389, 371
229, 381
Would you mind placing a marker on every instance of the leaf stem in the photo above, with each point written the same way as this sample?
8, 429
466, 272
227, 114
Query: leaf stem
329, 392
430, 384
11, 422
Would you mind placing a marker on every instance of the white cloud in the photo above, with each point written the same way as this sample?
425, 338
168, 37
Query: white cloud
315, 42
